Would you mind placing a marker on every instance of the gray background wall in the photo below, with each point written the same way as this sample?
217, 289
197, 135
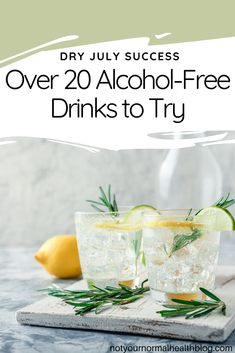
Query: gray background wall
42, 183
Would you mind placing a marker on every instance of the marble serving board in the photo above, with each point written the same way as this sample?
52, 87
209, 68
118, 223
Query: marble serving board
139, 317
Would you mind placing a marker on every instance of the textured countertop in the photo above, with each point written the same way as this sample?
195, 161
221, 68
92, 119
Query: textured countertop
20, 278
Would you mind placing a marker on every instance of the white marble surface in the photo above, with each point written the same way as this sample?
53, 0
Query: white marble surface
43, 183
21, 277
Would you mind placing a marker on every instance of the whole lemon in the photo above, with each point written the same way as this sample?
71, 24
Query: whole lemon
59, 256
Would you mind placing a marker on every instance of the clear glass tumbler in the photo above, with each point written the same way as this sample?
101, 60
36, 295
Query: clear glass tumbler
181, 254
109, 248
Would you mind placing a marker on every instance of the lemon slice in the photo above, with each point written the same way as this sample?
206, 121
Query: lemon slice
135, 214
173, 224
118, 226
217, 218
132, 221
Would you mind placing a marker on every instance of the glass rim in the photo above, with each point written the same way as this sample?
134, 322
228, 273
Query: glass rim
175, 209
122, 211
169, 214
171, 211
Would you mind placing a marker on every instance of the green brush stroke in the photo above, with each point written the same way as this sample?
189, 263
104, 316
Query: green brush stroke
25, 24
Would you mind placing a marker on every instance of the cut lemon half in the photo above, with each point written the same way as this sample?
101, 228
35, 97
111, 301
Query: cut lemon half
135, 214
217, 218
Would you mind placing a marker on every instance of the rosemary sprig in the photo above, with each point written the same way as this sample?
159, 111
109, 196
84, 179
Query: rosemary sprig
97, 299
182, 240
223, 202
105, 200
194, 308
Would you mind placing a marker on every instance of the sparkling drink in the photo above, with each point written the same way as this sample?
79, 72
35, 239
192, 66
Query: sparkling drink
109, 248
181, 255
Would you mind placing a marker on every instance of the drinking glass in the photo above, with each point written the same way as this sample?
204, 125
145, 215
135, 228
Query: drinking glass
109, 248
181, 254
